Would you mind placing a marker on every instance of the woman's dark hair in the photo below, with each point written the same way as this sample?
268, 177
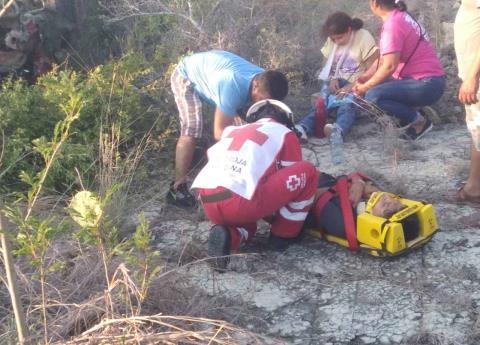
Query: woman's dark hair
338, 23
391, 4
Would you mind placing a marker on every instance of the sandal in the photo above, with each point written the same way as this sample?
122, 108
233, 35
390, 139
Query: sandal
462, 198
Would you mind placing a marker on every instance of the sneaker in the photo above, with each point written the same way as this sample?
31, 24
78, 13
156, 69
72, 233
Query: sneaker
219, 247
301, 133
411, 134
181, 196
430, 113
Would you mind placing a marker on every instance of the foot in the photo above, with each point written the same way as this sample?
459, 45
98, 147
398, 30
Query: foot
301, 133
417, 131
219, 247
328, 129
464, 195
180, 196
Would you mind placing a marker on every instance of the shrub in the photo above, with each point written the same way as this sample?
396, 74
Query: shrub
109, 95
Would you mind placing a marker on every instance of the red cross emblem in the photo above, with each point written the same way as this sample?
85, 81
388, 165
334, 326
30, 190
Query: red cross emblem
241, 135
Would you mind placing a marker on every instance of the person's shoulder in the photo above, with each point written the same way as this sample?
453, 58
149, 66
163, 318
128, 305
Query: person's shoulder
328, 43
398, 17
327, 47
363, 33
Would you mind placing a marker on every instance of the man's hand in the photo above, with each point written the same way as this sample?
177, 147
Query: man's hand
355, 192
468, 91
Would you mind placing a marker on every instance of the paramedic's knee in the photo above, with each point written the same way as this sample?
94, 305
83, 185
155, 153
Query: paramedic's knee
311, 175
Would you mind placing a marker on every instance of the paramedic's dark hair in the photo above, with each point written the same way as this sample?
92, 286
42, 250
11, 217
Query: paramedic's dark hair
338, 23
391, 4
273, 83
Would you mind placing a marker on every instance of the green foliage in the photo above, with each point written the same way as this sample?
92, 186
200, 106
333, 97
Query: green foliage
28, 115
89, 211
141, 256
35, 235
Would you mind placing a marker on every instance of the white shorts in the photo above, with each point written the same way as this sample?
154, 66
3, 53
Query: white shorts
473, 122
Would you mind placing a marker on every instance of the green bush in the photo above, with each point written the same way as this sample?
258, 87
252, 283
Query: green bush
109, 95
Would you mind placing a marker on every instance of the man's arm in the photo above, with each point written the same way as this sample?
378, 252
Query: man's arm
469, 88
220, 122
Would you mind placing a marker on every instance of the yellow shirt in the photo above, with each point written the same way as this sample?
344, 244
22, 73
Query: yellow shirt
353, 65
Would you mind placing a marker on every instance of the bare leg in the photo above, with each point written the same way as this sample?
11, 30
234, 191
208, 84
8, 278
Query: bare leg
183, 158
472, 187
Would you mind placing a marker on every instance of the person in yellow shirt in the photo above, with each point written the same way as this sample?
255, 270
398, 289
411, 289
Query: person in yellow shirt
348, 52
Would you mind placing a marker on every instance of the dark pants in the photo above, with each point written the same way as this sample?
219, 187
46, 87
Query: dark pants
399, 98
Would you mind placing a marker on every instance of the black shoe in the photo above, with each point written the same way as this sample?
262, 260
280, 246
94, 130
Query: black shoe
411, 134
181, 196
280, 244
219, 247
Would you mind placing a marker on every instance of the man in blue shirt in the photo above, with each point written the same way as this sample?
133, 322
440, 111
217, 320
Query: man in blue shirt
225, 81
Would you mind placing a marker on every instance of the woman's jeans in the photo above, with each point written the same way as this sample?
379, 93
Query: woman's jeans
346, 112
400, 97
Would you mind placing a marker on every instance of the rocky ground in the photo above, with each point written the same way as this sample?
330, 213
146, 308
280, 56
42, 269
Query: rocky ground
320, 293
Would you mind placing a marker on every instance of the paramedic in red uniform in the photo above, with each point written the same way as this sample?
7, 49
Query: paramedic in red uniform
254, 171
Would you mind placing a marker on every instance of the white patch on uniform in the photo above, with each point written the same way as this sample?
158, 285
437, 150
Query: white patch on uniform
300, 205
293, 183
295, 216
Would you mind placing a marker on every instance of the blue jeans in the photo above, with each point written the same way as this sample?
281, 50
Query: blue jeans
346, 113
400, 97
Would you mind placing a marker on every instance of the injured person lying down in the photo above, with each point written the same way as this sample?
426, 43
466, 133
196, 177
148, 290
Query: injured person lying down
353, 212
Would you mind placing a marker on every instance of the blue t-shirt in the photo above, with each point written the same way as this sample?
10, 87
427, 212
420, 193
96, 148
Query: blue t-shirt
220, 78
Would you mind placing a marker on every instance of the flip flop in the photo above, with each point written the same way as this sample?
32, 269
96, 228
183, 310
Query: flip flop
462, 198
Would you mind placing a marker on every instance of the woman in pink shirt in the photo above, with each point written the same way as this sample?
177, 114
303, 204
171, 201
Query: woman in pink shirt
409, 75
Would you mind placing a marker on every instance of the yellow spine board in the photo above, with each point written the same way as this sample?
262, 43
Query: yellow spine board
385, 237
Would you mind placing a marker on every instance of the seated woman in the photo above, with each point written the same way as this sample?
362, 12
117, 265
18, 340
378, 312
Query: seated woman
349, 51
409, 76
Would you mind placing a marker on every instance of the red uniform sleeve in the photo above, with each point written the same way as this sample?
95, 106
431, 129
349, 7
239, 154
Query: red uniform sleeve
291, 151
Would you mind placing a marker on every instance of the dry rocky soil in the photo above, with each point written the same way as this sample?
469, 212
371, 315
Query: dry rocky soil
320, 293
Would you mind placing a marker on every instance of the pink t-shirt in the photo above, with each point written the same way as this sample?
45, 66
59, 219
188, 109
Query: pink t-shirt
400, 34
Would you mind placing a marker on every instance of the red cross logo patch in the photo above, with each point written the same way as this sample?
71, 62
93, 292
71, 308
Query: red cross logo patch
293, 183
241, 135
